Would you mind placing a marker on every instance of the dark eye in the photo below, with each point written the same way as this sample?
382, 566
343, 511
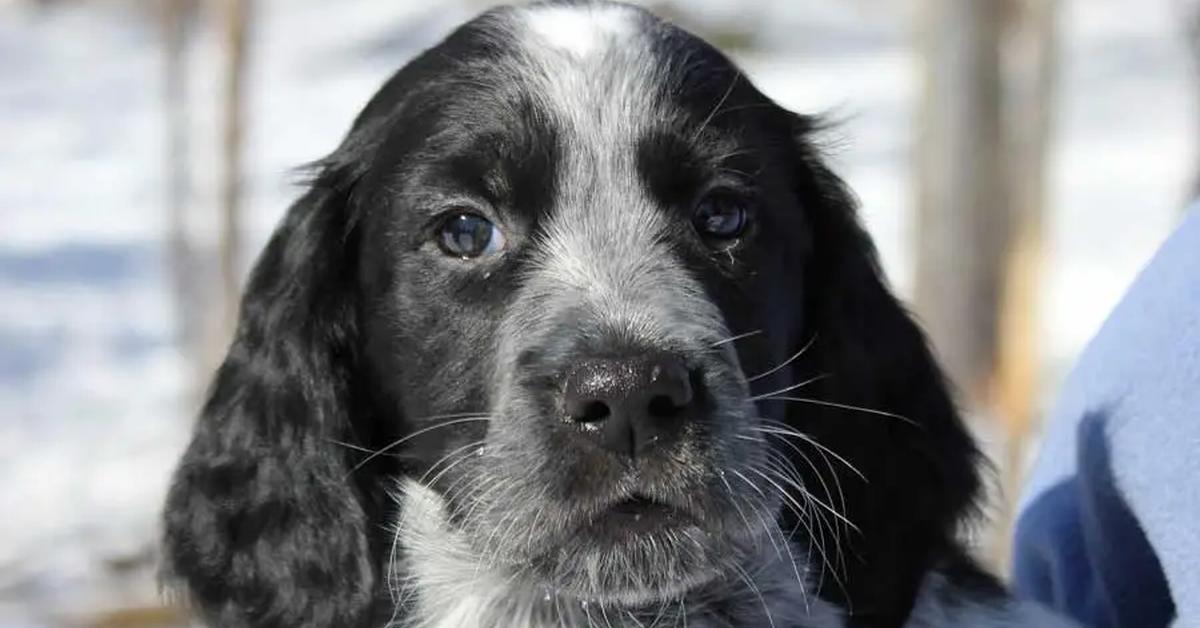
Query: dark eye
470, 235
720, 217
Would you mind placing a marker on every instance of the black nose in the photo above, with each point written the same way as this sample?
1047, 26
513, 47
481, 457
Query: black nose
629, 404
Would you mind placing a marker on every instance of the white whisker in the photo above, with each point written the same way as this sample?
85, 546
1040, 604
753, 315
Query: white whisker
717, 108
466, 418
791, 433
843, 406
802, 384
785, 362
735, 338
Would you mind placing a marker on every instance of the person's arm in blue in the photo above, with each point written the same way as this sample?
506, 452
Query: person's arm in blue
1109, 526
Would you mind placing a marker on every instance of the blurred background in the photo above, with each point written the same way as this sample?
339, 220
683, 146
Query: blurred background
1017, 162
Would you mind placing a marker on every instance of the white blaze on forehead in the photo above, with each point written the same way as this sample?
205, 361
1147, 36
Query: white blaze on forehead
592, 68
580, 30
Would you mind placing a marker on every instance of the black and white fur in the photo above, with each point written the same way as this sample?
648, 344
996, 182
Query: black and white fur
384, 444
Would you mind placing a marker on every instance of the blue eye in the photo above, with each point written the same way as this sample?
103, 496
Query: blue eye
470, 235
720, 217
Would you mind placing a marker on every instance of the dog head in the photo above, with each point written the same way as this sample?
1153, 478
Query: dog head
575, 279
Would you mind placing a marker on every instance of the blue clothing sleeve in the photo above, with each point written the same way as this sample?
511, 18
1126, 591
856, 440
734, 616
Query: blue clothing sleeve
1108, 530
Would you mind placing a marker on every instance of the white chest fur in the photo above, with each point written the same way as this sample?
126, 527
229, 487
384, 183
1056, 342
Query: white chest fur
444, 585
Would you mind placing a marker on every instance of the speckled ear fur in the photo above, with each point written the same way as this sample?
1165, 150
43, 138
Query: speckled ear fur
262, 525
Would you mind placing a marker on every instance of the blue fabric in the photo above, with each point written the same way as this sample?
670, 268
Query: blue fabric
1108, 530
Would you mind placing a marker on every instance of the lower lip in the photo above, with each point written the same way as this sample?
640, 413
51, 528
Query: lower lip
638, 516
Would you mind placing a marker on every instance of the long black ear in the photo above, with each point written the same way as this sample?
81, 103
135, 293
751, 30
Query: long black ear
262, 527
919, 462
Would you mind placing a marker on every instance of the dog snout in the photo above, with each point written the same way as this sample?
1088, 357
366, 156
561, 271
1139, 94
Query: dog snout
630, 405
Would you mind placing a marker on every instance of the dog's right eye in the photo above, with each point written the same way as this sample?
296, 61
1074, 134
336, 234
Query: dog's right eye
470, 235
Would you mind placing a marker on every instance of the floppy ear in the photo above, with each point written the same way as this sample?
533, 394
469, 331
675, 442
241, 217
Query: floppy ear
919, 462
262, 527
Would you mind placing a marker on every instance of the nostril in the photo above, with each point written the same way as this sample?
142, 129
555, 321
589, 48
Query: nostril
630, 404
592, 412
664, 407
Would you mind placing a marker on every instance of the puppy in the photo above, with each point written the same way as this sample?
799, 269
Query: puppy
576, 328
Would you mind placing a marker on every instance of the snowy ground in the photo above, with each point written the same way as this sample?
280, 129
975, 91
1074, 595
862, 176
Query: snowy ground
92, 410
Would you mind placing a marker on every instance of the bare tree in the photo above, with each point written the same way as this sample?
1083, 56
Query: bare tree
1031, 54
176, 17
962, 199
236, 15
985, 122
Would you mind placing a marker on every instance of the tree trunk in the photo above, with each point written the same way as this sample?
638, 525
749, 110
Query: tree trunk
176, 16
1032, 63
962, 205
986, 117
236, 16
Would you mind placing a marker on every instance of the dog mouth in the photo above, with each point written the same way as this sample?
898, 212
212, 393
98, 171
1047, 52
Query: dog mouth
637, 514
641, 506
634, 550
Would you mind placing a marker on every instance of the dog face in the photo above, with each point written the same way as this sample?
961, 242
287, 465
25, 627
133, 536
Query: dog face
563, 277
566, 242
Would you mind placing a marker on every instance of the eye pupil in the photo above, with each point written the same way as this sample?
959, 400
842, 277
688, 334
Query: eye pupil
720, 218
466, 235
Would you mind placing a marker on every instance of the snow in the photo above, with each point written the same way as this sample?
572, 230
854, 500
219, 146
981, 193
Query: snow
94, 405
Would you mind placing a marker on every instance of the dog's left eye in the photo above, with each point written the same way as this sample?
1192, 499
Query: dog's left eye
470, 235
720, 217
